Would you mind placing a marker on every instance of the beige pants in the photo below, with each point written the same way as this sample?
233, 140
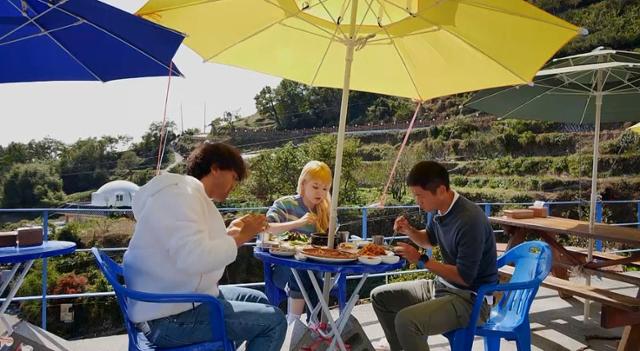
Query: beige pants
411, 311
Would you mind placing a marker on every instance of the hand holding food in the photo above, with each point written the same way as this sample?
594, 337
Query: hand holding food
401, 225
308, 218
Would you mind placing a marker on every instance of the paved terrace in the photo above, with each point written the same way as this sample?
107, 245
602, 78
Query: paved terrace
557, 324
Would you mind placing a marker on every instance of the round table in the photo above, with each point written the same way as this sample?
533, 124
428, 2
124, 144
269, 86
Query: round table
337, 269
26, 253
25, 256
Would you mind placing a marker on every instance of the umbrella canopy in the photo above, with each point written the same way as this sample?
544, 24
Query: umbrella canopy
47, 40
635, 128
417, 48
599, 86
603, 85
566, 89
413, 48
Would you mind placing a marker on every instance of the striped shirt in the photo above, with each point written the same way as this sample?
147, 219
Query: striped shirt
288, 209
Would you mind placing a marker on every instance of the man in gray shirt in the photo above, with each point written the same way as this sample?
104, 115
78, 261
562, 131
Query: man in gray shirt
411, 311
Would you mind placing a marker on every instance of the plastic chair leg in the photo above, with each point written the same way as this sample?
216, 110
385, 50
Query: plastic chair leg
523, 337
491, 343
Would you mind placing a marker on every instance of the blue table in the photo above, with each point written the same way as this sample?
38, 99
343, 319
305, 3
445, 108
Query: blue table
25, 256
337, 270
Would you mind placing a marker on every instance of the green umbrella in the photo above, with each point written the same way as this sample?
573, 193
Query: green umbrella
599, 86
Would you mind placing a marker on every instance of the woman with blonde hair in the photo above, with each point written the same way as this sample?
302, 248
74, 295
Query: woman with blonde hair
306, 213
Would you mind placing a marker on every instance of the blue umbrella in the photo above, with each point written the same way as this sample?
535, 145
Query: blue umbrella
47, 40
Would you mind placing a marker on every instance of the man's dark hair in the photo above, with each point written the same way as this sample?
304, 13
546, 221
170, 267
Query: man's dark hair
429, 175
219, 155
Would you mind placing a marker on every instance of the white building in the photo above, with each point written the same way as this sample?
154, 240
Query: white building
118, 193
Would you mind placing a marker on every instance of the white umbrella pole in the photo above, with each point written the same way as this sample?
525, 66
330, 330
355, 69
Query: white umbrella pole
594, 183
337, 171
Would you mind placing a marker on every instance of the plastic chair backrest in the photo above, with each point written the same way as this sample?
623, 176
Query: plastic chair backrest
532, 261
114, 275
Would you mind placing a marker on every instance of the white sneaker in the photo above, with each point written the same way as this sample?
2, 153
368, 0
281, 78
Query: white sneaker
382, 345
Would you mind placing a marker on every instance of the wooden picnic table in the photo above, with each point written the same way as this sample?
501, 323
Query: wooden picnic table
617, 310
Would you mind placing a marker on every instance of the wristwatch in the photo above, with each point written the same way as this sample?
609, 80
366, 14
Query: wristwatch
422, 261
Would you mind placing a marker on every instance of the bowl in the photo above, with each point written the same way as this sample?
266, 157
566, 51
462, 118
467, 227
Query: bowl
370, 260
390, 259
319, 239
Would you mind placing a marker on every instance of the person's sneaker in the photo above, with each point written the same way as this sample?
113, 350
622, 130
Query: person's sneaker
382, 345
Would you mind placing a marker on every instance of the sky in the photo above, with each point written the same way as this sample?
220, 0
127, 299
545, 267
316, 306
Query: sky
68, 111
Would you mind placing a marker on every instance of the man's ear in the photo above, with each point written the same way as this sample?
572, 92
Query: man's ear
214, 171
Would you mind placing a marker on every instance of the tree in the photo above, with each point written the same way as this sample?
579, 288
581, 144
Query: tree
127, 164
88, 163
266, 105
32, 185
147, 148
275, 174
323, 148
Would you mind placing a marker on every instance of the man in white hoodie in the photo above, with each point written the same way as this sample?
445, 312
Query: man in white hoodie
181, 245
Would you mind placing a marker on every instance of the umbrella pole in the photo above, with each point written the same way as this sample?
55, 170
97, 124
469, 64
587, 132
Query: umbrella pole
594, 183
337, 171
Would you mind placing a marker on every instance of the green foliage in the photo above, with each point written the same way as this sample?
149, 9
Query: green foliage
69, 232
147, 148
275, 173
127, 164
611, 23
32, 185
87, 164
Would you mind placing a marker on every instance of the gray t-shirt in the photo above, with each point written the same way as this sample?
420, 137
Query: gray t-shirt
466, 240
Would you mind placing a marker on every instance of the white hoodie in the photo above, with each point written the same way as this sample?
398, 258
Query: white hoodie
180, 244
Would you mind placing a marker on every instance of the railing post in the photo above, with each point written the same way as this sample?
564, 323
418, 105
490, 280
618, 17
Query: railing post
599, 220
45, 237
638, 204
487, 210
364, 222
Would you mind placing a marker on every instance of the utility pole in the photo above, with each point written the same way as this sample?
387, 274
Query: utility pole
204, 119
181, 120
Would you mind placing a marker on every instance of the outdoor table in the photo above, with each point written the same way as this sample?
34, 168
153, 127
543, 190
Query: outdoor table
336, 270
550, 227
24, 257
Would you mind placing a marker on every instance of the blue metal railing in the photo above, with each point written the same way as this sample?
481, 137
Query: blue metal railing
365, 211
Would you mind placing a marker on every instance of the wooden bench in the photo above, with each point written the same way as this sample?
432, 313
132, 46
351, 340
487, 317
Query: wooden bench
502, 247
617, 310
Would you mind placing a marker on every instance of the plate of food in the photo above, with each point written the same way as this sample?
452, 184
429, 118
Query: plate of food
294, 238
329, 255
373, 250
283, 251
370, 260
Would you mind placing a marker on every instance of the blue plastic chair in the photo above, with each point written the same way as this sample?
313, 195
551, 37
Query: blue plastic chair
137, 341
509, 317
277, 295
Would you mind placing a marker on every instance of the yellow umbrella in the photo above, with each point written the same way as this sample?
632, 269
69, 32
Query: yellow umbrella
635, 128
419, 49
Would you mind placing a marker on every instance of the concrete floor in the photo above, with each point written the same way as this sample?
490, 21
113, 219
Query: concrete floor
556, 324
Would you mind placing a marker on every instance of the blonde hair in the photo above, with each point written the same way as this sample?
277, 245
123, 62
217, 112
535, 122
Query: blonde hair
320, 172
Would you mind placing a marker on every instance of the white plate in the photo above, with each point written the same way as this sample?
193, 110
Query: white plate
390, 259
370, 260
283, 253
329, 260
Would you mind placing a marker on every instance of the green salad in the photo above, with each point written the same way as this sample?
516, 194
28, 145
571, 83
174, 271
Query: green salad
294, 238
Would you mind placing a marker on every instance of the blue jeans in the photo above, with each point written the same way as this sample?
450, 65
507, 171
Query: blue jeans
247, 316
283, 278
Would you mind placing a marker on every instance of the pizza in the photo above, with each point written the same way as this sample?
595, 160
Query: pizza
329, 253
